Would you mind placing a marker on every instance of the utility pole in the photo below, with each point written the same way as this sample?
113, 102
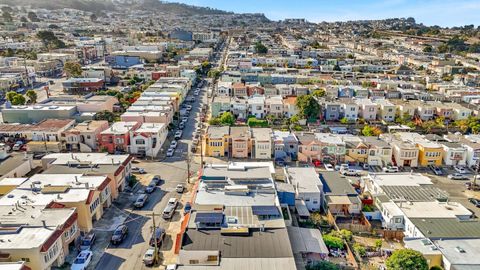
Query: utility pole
155, 253
477, 171
201, 151
188, 163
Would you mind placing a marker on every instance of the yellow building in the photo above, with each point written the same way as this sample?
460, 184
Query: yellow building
217, 141
429, 153
357, 151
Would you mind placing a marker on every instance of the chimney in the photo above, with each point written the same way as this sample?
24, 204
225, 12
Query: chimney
44, 223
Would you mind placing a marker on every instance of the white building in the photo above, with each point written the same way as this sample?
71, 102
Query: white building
148, 139
307, 185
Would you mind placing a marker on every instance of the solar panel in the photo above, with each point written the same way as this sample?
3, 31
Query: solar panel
209, 218
265, 210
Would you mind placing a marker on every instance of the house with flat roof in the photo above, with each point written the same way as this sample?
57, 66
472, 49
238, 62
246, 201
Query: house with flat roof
236, 203
83, 136
117, 137
37, 237
261, 143
307, 185
217, 141
116, 167
148, 139
240, 142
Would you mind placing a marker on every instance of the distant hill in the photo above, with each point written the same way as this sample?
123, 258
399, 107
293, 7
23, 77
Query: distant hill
105, 5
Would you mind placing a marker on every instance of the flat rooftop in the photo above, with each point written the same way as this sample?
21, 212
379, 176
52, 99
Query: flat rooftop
305, 179
467, 259
400, 179
433, 209
273, 243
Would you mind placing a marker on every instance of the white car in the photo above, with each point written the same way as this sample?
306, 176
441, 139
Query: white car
171, 267
196, 93
82, 261
350, 172
329, 167
173, 144
458, 176
170, 152
179, 188
178, 135
460, 169
390, 169
173, 202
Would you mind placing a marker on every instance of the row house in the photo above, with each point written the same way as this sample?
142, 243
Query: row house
386, 110
367, 109
274, 106
117, 137
148, 139
83, 137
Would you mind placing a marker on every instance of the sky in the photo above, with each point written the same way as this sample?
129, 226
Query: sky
429, 12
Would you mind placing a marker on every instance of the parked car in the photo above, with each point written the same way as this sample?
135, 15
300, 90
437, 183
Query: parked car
170, 152
187, 208
151, 187
140, 201
350, 172
342, 167
138, 170
436, 170
460, 169
280, 162
87, 241
179, 188
458, 176
157, 179
157, 236
329, 167
474, 202
390, 169
181, 125
17, 146
178, 135
169, 210
82, 260
149, 256
119, 234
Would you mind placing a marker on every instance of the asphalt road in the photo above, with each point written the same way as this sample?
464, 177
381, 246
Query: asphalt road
129, 254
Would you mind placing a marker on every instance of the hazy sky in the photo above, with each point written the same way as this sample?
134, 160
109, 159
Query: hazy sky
429, 12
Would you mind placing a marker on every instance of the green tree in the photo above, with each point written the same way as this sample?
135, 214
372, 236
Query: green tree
344, 120
49, 40
378, 244
359, 250
18, 99
105, 115
318, 93
436, 267
333, 241
371, 131
322, 265
427, 48
214, 73
406, 259
227, 119
260, 48
32, 96
11, 95
308, 106
32, 16
7, 16
73, 69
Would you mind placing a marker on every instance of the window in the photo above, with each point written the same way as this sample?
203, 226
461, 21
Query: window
94, 205
88, 137
139, 141
212, 258
352, 109
51, 253
193, 261
25, 259
315, 202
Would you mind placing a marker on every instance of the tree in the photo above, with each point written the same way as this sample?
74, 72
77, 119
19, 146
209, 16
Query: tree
73, 69
322, 265
105, 115
11, 95
32, 96
49, 39
344, 120
319, 93
32, 16
214, 73
260, 48
378, 244
406, 259
308, 106
359, 250
7, 16
23, 19
227, 119
333, 241
18, 99
371, 131
427, 48
436, 267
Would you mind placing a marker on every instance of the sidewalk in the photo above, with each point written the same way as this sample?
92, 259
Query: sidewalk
169, 256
